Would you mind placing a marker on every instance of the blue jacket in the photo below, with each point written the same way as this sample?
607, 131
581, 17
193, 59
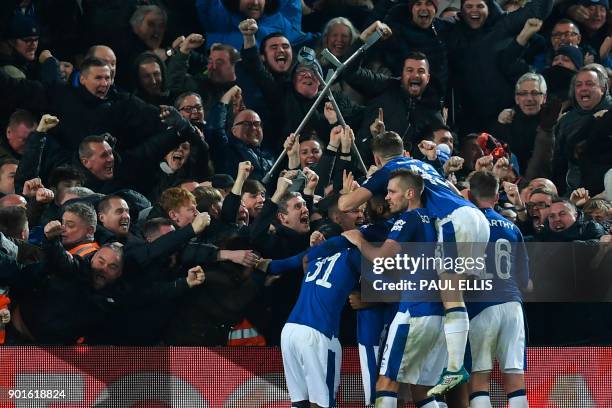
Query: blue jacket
221, 23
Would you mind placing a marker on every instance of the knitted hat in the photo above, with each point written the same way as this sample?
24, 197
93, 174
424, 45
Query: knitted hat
22, 26
573, 53
412, 2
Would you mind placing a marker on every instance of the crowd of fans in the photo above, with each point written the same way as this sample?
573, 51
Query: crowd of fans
138, 134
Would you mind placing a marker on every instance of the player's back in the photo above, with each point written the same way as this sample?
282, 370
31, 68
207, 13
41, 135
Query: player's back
328, 281
417, 226
507, 266
440, 199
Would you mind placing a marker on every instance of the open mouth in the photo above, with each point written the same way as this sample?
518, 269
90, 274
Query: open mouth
423, 15
311, 161
124, 225
414, 85
304, 219
99, 280
108, 169
338, 47
559, 227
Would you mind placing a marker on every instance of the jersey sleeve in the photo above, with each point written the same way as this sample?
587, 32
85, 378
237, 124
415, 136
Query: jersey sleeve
377, 183
280, 266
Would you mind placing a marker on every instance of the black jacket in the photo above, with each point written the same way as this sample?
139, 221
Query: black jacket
482, 88
403, 114
227, 151
125, 116
520, 135
408, 37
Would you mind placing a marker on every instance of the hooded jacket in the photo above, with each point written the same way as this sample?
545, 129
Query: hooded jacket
220, 19
165, 98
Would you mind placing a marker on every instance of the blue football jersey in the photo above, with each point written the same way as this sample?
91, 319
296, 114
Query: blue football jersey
507, 265
439, 198
417, 225
330, 277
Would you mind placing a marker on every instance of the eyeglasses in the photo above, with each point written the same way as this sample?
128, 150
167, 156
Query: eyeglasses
564, 34
192, 109
248, 123
529, 93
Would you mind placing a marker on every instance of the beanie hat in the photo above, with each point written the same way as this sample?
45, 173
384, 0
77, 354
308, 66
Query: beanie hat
22, 26
587, 3
573, 53
411, 4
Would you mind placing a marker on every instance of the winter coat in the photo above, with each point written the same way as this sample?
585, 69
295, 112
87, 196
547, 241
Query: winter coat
220, 19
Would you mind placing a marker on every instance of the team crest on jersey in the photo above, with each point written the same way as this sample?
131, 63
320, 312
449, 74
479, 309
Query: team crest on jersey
399, 224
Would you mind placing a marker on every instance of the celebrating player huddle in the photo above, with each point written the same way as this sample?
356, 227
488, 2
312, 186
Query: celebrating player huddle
423, 354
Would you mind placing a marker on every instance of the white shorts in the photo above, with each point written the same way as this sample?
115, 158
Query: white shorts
498, 332
467, 226
311, 362
368, 361
415, 351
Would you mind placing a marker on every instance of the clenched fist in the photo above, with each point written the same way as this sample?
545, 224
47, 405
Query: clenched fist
53, 229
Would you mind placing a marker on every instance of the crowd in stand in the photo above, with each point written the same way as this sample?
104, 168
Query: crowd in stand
137, 136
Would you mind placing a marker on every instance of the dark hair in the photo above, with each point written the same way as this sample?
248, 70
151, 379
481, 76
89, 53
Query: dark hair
253, 187
65, 173
268, 37
92, 62
22, 116
388, 144
153, 226
105, 204
13, 220
85, 150
234, 54
330, 229
567, 21
483, 185
418, 56
409, 179
206, 197
9, 160
568, 203
429, 130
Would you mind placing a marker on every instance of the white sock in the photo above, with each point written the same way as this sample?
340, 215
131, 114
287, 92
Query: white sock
518, 399
428, 403
456, 326
480, 399
386, 399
